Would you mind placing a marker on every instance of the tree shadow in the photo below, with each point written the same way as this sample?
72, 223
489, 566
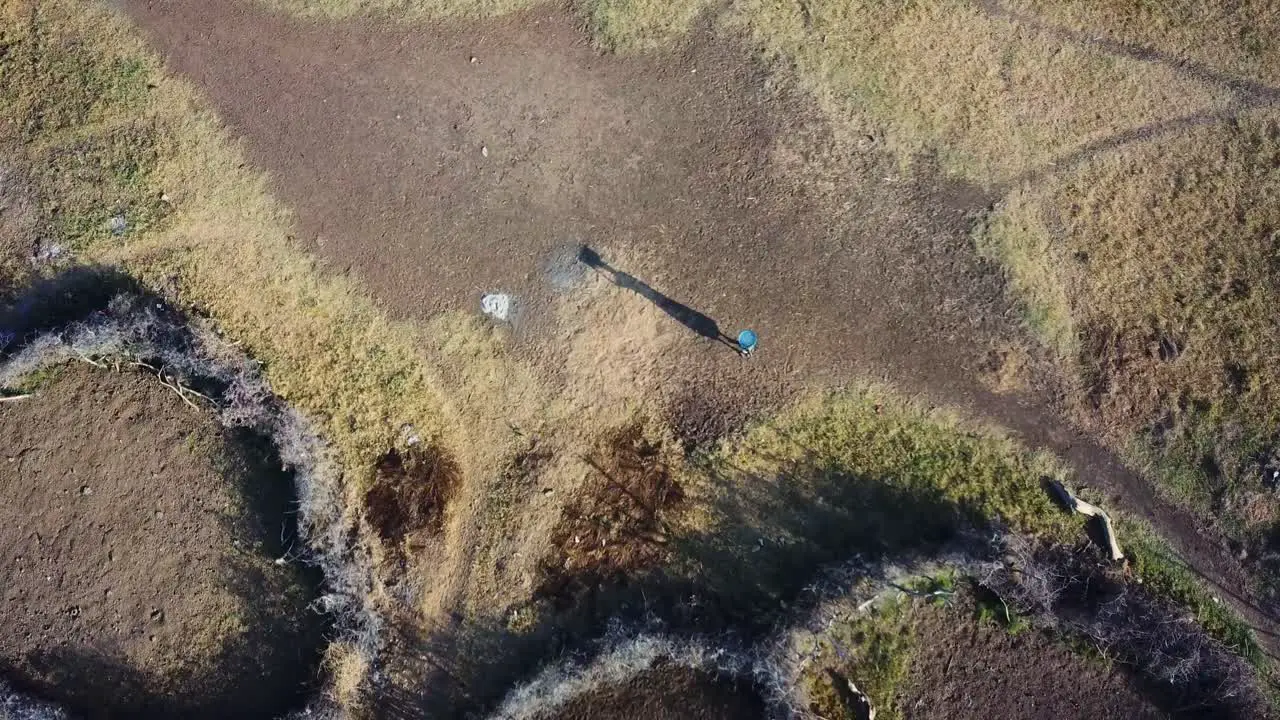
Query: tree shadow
685, 315
58, 300
770, 535
737, 578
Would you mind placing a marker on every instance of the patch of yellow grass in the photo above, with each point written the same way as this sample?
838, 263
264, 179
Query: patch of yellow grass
399, 9
1165, 261
627, 25
1018, 238
1240, 39
991, 98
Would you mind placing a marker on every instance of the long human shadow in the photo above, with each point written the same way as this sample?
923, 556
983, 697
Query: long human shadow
685, 315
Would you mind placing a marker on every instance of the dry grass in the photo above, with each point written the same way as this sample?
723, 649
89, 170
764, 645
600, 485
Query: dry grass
631, 25
992, 99
1163, 270
399, 9
1234, 38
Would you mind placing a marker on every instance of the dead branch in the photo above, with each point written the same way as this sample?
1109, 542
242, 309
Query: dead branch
175, 385
90, 360
15, 398
854, 699
1077, 505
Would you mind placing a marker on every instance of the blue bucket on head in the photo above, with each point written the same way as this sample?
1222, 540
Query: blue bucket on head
747, 340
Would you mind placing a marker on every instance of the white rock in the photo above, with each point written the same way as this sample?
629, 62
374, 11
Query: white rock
496, 306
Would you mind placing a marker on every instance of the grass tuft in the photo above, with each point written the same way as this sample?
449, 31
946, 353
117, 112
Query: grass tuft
630, 25
873, 649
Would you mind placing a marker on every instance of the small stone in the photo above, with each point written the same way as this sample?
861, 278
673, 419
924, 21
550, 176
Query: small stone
473, 59
157, 615
484, 150
86, 490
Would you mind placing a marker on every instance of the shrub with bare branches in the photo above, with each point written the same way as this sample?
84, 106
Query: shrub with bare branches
1073, 591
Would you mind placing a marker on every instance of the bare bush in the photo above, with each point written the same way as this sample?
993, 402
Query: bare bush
1072, 591
14, 706
624, 655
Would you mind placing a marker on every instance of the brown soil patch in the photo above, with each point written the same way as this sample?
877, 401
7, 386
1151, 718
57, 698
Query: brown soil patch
410, 493
615, 527
665, 693
962, 668
138, 578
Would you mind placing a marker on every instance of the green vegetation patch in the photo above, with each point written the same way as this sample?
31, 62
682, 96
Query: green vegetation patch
78, 129
858, 472
873, 649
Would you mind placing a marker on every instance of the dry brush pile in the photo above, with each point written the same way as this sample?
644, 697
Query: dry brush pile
1072, 594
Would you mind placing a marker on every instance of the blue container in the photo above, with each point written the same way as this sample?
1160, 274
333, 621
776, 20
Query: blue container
747, 341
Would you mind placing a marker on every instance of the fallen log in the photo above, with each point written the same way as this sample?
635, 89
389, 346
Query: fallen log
1075, 504
854, 699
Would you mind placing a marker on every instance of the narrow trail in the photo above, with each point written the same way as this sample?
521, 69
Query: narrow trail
439, 162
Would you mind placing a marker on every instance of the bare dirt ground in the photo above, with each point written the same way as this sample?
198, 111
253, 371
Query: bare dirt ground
968, 669
435, 178
138, 578
665, 693
440, 162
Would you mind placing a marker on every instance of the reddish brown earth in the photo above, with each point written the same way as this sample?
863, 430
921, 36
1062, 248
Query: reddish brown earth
136, 580
438, 162
665, 694
965, 669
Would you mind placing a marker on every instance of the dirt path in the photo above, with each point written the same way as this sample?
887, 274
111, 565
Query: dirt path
437, 163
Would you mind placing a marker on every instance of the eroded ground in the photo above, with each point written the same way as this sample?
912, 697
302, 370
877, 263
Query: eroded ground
140, 542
